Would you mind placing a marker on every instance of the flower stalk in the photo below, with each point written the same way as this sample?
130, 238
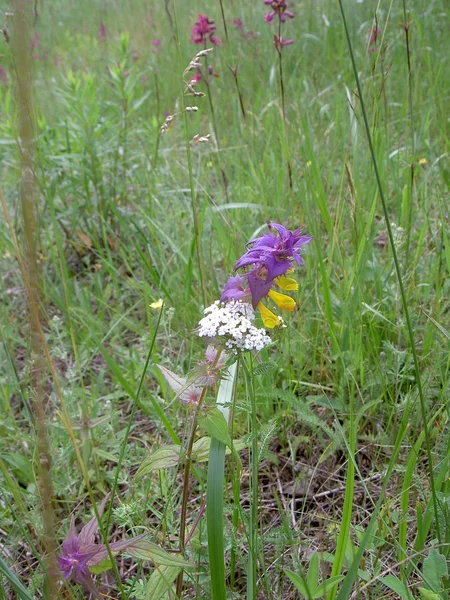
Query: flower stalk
39, 376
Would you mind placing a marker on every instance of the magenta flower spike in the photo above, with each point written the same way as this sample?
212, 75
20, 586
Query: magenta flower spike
80, 552
204, 30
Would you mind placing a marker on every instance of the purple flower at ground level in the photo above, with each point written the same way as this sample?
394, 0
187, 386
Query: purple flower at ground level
80, 552
238, 24
204, 29
156, 42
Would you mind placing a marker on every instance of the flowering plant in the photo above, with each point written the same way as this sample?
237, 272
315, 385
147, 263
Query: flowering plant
203, 30
267, 261
80, 553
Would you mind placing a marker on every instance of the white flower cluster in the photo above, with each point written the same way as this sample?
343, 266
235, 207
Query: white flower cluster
233, 322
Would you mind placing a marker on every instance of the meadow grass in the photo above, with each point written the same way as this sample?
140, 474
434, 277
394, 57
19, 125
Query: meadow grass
345, 421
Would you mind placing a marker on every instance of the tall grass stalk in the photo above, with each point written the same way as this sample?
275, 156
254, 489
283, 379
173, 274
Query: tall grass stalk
27, 134
194, 208
404, 299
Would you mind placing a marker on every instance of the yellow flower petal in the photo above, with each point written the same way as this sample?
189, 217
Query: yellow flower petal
286, 283
282, 301
423, 162
157, 305
268, 318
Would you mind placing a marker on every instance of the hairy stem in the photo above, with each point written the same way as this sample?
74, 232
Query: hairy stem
39, 375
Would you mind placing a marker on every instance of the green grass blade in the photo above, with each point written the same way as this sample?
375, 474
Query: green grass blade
214, 496
344, 531
17, 586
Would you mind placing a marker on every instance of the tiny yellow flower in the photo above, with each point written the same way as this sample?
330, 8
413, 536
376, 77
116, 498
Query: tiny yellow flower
7, 255
423, 162
282, 301
157, 305
268, 318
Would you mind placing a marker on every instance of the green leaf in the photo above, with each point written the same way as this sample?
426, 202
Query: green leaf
397, 586
428, 595
326, 585
146, 550
434, 568
313, 572
163, 458
15, 583
215, 424
299, 584
101, 567
160, 581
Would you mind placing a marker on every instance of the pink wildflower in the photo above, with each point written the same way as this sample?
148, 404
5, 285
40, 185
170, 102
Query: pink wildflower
373, 33
238, 24
204, 29
35, 41
196, 78
156, 42
280, 43
102, 32
279, 8
3, 75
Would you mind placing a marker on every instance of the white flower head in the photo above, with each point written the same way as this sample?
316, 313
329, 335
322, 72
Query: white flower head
232, 322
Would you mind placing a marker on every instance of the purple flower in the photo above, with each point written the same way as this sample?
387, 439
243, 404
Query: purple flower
3, 75
373, 33
156, 42
35, 41
204, 29
272, 255
279, 8
235, 289
280, 43
238, 24
80, 552
102, 32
